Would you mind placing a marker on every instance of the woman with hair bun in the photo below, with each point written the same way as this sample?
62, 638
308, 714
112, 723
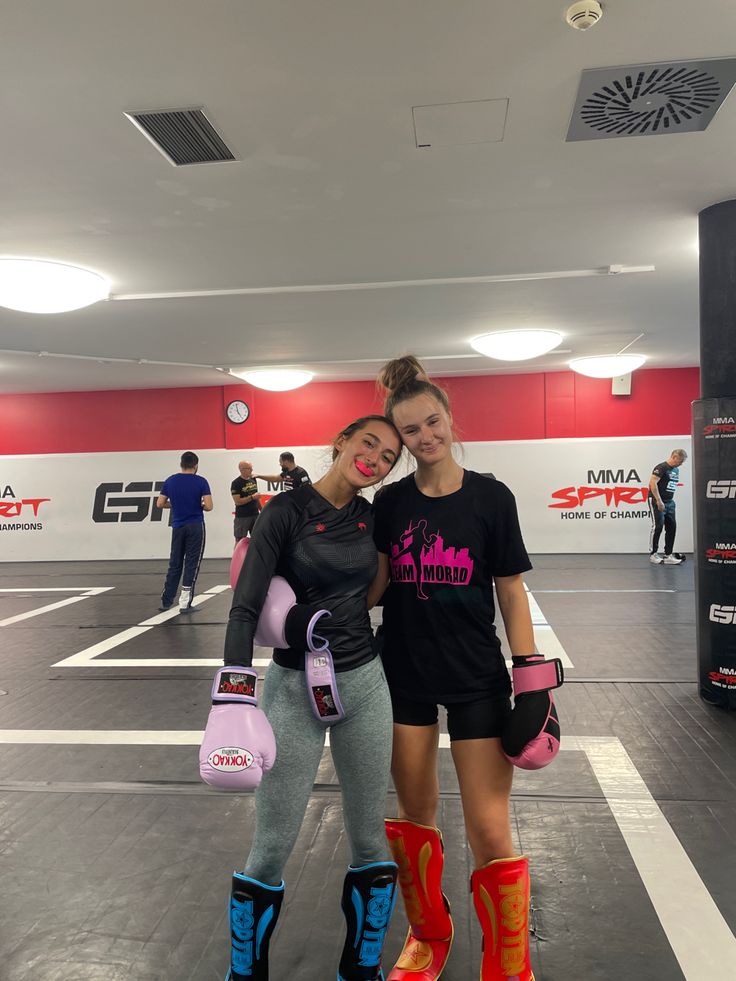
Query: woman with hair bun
444, 536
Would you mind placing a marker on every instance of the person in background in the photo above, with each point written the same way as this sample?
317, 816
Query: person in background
189, 496
291, 476
244, 490
661, 499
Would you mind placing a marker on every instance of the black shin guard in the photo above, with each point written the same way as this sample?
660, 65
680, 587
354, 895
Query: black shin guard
254, 909
368, 898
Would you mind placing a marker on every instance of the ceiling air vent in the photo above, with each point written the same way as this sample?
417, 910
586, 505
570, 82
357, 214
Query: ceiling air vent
184, 136
650, 100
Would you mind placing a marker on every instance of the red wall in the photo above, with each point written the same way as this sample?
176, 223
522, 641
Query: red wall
488, 407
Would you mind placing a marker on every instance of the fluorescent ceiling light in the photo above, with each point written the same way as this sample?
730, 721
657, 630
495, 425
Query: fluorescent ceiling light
274, 379
39, 286
610, 366
516, 345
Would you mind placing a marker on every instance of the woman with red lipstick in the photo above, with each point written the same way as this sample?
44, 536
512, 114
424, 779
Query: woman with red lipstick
320, 539
444, 536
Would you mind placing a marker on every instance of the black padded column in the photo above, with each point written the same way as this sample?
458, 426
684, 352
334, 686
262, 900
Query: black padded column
714, 458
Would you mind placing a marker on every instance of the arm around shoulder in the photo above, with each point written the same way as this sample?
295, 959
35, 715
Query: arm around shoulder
379, 585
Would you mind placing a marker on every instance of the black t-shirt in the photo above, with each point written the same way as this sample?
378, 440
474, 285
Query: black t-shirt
297, 477
440, 644
328, 557
668, 480
245, 487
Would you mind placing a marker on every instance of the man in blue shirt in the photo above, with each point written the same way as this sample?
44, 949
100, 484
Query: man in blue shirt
189, 496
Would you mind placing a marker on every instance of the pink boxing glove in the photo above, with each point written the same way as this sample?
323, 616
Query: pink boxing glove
238, 744
236, 562
531, 736
283, 622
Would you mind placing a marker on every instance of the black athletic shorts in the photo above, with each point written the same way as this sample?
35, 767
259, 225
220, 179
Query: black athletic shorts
483, 718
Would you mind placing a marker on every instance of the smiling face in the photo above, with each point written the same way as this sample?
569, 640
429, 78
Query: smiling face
368, 455
425, 428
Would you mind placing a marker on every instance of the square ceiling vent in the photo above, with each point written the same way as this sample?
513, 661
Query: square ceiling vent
457, 123
184, 136
650, 100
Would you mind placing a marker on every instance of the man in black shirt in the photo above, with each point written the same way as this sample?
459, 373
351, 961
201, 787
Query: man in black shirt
291, 475
662, 485
244, 490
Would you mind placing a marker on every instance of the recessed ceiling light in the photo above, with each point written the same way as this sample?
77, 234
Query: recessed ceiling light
274, 379
516, 345
610, 366
41, 286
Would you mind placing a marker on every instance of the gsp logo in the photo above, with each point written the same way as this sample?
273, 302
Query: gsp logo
721, 489
107, 508
722, 614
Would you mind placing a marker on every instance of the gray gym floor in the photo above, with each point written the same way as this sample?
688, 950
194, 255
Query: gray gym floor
115, 859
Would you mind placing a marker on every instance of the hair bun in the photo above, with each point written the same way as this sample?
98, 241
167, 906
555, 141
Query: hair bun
401, 371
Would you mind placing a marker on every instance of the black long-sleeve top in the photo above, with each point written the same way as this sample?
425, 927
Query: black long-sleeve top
328, 557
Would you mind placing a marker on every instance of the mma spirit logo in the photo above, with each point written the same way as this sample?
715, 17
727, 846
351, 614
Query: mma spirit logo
720, 490
230, 759
722, 553
722, 614
421, 558
721, 427
723, 678
24, 508
138, 503
609, 488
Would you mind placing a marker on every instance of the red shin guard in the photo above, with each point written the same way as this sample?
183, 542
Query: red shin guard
501, 899
418, 851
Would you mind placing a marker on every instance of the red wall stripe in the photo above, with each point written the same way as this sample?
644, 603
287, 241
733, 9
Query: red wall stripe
488, 407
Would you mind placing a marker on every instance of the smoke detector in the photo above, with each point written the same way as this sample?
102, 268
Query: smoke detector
583, 14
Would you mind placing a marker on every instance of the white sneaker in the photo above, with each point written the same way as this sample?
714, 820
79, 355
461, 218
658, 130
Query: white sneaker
671, 560
185, 599
656, 558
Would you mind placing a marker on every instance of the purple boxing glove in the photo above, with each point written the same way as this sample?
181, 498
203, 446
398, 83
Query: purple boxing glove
238, 744
531, 736
283, 622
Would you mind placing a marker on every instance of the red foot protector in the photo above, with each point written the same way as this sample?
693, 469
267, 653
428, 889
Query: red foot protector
501, 899
418, 851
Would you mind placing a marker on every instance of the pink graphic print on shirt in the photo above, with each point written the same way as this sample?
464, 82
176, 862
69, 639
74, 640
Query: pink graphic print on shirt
422, 558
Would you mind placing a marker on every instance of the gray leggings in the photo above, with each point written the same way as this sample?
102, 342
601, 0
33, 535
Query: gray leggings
361, 751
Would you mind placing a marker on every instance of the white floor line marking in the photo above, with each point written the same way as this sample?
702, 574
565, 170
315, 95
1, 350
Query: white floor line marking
86, 658
88, 591
697, 932
102, 737
545, 639
699, 936
91, 590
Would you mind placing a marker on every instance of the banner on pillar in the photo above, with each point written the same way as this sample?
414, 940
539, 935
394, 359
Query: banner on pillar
714, 463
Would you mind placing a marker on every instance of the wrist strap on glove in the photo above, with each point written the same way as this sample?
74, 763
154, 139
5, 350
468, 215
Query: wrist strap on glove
532, 673
235, 684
